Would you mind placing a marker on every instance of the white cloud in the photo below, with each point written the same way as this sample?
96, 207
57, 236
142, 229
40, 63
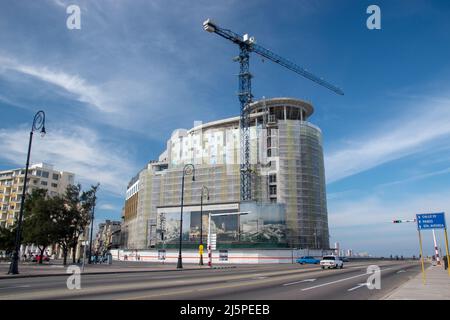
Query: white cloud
416, 178
376, 210
365, 224
59, 3
108, 207
417, 132
126, 102
74, 149
74, 84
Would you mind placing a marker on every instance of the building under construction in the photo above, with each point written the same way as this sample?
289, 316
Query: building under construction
288, 207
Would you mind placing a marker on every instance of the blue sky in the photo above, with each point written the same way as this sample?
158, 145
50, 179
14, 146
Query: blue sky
115, 90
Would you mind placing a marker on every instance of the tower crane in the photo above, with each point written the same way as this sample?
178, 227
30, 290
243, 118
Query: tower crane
247, 45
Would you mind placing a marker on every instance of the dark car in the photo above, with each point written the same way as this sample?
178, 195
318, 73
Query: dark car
344, 259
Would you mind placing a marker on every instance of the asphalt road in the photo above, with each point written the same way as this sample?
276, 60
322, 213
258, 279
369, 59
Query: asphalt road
262, 282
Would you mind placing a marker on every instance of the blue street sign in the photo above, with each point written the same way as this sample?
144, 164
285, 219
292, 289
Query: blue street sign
431, 221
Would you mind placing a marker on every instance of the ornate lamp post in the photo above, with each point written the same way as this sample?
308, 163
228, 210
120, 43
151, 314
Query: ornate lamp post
187, 170
92, 225
204, 188
38, 124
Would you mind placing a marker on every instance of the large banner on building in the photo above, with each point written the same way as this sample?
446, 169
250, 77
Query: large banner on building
264, 223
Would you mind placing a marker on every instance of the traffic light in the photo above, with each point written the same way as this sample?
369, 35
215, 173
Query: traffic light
396, 221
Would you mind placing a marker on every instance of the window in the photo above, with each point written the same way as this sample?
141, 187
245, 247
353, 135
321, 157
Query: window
272, 178
45, 174
329, 258
273, 190
55, 176
43, 183
39, 173
54, 185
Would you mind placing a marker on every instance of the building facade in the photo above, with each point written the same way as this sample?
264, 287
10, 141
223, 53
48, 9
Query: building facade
107, 237
41, 175
288, 207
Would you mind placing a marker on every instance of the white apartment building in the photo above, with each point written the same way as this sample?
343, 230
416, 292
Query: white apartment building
40, 175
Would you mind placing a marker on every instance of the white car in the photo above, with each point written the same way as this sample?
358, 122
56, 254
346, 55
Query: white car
331, 262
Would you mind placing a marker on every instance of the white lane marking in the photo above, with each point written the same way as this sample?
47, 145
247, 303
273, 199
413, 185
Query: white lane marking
24, 286
301, 281
180, 281
400, 271
246, 279
358, 286
164, 277
340, 280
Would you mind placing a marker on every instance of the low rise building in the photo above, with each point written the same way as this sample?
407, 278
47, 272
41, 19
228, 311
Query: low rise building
108, 236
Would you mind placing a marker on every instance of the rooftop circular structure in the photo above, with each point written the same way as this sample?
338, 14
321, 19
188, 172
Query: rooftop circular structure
298, 109
280, 108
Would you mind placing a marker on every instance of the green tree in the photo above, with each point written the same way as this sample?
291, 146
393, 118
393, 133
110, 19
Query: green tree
39, 227
72, 221
7, 239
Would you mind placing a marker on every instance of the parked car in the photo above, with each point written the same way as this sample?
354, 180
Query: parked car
308, 260
37, 258
331, 262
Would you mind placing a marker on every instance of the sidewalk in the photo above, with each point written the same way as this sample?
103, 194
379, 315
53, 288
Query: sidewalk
437, 286
36, 270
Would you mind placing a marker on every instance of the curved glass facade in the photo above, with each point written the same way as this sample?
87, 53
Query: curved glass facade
302, 184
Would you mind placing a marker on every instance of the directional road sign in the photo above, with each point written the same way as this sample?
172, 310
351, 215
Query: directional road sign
431, 221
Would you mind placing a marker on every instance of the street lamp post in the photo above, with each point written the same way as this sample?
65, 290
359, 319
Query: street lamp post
187, 170
315, 239
92, 227
201, 221
38, 124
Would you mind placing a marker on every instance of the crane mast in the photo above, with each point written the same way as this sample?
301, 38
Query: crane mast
246, 46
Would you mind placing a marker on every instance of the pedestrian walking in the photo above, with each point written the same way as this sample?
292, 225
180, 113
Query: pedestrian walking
445, 258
